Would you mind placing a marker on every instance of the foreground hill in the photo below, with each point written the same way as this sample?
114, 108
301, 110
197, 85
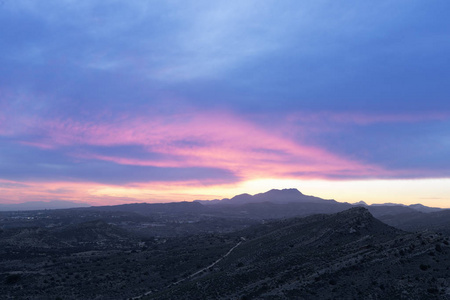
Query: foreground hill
97, 260
345, 255
348, 255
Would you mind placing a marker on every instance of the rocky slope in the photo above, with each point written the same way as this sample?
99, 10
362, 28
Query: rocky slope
348, 255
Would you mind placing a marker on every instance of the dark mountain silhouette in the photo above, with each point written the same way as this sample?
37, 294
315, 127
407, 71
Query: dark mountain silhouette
242, 210
389, 210
293, 196
273, 204
287, 203
274, 196
40, 205
438, 221
270, 210
425, 209
152, 208
416, 207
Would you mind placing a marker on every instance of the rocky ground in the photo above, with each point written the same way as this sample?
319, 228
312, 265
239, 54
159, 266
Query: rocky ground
347, 255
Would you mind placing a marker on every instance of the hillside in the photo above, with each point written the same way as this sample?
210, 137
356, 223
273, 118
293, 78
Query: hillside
344, 255
90, 235
437, 221
348, 255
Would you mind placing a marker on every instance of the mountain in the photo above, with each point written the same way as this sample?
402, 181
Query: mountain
292, 195
389, 210
425, 209
41, 205
179, 218
347, 255
274, 196
273, 204
270, 210
278, 204
417, 207
152, 208
438, 221
288, 203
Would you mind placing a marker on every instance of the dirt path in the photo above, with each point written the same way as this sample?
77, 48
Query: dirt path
211, 265
196, 273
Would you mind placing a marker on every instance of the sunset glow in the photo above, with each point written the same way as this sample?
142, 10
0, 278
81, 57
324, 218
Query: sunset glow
181, 101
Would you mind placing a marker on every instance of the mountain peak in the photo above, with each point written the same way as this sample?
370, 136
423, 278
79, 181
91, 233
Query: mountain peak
283, 192
360, 220
283, 196
289, 190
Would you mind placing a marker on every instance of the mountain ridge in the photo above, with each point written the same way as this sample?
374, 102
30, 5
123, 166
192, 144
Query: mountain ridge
283, 196
276, 204
277, 196
42, 205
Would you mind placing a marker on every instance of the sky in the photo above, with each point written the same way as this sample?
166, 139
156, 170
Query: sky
109, 102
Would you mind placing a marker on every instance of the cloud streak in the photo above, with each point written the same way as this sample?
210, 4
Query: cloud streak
190, 140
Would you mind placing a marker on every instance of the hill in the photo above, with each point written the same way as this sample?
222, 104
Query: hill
345, 255
348, 255
437, 221
89, 235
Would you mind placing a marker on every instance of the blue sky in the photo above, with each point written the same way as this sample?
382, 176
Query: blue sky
179, 100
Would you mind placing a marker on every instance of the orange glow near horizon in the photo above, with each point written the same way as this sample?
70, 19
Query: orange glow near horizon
429, 192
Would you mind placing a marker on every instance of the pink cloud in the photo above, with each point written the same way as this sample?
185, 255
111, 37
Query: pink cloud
193, 139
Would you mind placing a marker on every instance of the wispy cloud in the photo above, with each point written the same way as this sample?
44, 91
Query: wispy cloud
199, 140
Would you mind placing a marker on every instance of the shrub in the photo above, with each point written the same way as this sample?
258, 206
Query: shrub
13, 278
